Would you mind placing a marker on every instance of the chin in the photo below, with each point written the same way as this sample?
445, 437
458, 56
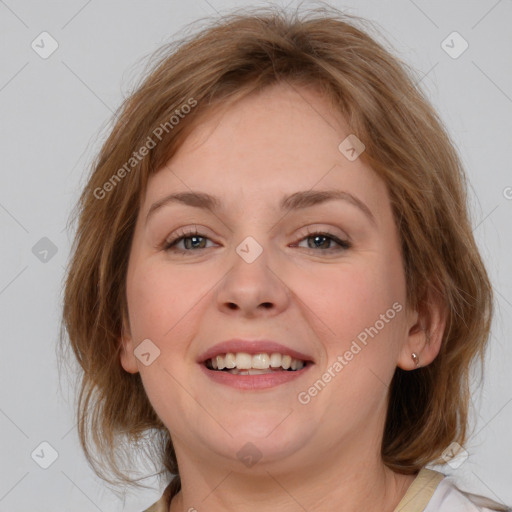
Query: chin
267, 439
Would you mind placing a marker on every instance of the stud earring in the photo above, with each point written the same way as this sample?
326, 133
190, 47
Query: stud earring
416, 359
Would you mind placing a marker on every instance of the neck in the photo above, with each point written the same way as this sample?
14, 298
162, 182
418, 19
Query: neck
349, 481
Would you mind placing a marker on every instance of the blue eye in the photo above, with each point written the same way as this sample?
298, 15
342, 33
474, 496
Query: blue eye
319, 238
193, 237
194, 240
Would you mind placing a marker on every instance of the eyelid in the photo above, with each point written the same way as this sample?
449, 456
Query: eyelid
187, 231
329, 229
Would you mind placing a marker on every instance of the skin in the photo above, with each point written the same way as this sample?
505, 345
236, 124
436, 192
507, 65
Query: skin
324, 455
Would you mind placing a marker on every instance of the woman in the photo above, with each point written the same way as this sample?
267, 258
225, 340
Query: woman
274, 272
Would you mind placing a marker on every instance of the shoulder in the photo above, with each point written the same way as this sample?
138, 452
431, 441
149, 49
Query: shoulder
449, 498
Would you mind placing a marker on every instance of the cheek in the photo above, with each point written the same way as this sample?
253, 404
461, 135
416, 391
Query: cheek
167, 301
158, 297
161, 304
359, 306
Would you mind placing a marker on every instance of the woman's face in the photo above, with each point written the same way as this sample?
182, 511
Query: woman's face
255, 271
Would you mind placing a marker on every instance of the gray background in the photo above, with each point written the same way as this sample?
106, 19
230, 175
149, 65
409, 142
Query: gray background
54, 114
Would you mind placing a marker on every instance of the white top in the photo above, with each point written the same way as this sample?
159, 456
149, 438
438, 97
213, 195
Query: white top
448, 497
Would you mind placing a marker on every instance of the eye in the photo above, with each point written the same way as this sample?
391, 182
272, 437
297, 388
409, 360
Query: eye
191, 238
322, 238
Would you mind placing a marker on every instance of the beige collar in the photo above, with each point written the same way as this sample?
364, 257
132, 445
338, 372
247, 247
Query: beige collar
420, 491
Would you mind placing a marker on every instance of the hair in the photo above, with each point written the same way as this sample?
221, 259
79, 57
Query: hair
406, 145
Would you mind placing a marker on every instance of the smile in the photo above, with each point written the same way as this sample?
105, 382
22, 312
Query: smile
242, 363
255, 372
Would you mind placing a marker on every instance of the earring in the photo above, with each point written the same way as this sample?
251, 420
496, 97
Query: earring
416, 359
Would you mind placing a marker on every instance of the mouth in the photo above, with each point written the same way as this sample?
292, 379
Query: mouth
243, 363
251, 365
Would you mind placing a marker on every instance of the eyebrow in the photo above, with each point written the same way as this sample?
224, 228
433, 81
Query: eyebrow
295, 201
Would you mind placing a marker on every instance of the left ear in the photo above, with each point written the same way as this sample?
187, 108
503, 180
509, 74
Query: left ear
426, 328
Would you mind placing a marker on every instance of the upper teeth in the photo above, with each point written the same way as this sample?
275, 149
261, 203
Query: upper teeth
245, 361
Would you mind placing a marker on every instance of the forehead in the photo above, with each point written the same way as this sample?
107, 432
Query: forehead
266, 145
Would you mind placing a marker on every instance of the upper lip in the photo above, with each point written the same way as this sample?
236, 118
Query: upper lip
251, 347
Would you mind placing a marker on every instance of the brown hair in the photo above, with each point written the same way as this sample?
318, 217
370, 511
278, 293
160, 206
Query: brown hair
406, 145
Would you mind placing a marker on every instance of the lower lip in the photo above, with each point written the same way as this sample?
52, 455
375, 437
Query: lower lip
253, 382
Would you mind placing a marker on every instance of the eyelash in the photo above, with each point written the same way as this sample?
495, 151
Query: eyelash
169, 245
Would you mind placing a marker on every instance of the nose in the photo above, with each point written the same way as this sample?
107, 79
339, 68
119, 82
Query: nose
253, 289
